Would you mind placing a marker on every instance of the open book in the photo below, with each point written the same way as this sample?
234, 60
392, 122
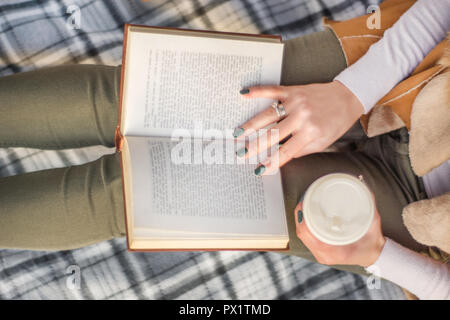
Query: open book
183, 187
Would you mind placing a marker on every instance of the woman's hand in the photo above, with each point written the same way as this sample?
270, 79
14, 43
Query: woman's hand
364, 252
316, 116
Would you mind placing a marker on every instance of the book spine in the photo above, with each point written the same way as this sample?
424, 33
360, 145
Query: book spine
118, 139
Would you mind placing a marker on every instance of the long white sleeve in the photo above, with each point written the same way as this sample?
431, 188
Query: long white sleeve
420, 275
399, 52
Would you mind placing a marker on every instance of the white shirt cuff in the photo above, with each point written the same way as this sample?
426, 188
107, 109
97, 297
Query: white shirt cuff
419, 274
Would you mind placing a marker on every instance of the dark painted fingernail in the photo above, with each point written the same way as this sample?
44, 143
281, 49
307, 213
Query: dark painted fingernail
241, 152
244, 91
238, 132
260, 170
301, 198
299, 216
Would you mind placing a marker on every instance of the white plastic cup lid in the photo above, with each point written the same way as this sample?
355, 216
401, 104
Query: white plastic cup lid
338, 209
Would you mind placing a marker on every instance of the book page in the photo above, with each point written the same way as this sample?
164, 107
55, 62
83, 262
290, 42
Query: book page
201, 198
193, 83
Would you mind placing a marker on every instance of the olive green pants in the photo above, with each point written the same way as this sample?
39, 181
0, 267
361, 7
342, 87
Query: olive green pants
76, 106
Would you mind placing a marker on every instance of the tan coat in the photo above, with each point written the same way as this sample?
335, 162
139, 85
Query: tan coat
422, 104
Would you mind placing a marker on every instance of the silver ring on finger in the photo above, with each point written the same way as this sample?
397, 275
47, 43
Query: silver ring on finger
279, 109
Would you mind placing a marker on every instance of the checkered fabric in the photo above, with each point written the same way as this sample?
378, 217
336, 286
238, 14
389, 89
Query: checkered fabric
39, 33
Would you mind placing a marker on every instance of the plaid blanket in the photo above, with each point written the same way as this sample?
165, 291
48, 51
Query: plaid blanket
35, 34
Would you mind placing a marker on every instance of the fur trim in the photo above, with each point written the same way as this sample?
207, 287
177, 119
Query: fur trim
428, 221
430, 125
382, 120
445, 61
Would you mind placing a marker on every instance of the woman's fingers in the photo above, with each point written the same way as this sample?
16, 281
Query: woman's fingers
270, 92
261, 120
268, 139
283, 155
317, 247
302, 230
265, 117
305, 150
298, 143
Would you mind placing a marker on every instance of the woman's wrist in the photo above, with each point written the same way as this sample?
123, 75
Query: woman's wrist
375, 252
353, 105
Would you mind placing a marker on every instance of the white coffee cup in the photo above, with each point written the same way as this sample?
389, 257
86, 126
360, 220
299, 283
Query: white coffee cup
338, 209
